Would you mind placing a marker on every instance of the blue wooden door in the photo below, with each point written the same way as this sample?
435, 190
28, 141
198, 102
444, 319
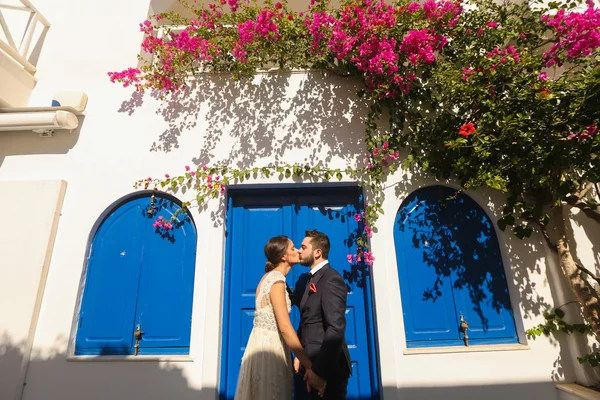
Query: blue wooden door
256, 216
139, 275
450, 269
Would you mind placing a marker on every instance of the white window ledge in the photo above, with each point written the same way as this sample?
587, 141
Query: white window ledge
579, 391
131, 358
466, 349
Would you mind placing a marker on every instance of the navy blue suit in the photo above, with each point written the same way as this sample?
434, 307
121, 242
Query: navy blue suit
322, 329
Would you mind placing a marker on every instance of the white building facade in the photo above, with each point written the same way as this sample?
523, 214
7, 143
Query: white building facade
57, 191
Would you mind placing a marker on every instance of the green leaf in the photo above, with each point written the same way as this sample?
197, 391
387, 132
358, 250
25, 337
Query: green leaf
559, 313
505, 221
522, 231
550, 316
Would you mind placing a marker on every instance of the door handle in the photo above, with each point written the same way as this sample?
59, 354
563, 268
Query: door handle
138, 336
464, 325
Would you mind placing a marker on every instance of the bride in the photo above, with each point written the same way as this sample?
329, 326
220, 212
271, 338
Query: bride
266, 371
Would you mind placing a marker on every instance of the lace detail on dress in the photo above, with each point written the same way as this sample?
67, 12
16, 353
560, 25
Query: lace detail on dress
264, 317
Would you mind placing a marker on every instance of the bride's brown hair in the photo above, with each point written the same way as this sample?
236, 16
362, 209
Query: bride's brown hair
274, 250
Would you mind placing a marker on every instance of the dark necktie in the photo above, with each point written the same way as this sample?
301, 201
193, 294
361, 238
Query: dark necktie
306, 289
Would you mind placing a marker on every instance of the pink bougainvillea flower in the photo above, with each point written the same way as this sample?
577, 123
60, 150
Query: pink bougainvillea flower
369, 258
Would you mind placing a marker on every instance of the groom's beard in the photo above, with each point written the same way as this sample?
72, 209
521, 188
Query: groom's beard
307, 262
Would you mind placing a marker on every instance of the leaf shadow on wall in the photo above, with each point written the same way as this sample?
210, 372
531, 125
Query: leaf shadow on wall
51, 375
266, 118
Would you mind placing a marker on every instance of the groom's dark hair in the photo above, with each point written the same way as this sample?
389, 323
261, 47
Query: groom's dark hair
319, 240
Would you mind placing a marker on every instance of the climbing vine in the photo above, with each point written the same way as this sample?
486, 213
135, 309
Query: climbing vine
211, 183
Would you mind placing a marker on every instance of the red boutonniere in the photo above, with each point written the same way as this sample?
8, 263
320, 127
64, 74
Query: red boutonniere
313, 288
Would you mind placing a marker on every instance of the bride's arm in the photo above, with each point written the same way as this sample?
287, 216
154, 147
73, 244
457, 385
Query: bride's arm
285, 325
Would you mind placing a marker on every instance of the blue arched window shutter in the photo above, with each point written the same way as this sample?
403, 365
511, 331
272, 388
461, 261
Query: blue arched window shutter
139, 276
450, 269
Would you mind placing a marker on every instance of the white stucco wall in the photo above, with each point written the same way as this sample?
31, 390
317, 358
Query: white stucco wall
284, 118
32, 212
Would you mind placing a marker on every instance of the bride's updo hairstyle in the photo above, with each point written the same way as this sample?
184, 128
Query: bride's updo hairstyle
274, 250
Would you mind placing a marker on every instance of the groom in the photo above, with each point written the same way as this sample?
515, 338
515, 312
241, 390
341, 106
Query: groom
323, 322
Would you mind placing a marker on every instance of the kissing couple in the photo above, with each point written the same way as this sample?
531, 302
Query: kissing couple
321, 352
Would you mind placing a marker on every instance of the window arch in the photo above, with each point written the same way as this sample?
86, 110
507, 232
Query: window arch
450, 269
139, 277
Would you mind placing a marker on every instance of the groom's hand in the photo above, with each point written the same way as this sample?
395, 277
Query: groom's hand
315, 381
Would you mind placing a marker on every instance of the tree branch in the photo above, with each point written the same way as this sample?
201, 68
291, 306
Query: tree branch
552, 246
585, 190
567, 303
545, 43
587, 271
587, 210
337, 70
577, 201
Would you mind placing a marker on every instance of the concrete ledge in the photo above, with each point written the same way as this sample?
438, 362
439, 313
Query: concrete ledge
576, 391
466, 349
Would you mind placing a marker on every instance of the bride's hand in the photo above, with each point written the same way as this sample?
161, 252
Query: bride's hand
296, 364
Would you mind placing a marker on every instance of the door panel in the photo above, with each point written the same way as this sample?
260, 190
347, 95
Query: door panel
480, 290
253, 221
164, 310
109, 300
334, 216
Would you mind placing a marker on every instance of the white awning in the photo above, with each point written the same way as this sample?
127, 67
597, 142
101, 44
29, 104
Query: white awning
37, 120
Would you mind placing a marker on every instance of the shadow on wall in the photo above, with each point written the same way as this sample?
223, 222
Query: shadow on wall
591, 230
22, 143
266, 117
525, 258
517, 391
50, 376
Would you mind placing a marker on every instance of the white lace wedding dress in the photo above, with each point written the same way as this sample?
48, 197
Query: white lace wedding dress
266, 371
